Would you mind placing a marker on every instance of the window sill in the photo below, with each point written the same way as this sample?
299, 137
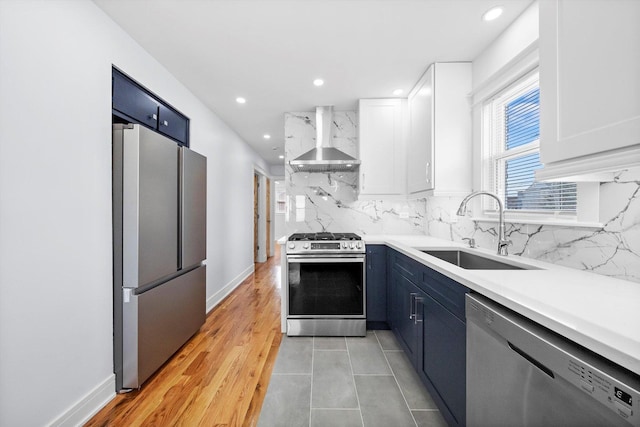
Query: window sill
540, 221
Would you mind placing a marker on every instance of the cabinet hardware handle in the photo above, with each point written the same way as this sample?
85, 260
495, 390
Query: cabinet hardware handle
166, 123
417, 300
412, 298
154, 117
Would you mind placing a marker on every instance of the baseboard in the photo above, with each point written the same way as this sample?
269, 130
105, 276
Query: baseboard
103, 393
88, 406
215, 299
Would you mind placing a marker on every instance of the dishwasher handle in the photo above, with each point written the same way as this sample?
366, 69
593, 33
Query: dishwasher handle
531, 360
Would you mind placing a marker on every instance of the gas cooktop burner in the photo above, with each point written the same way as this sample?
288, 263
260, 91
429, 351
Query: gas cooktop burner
323, 236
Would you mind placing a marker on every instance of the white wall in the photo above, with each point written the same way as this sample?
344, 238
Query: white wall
262, 219
518, 36
277, 170
55, 203
279, 229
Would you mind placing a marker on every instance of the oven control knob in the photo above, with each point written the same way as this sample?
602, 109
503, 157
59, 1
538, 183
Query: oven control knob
305, 245
352, 245
344, 245
359, 245
292, 245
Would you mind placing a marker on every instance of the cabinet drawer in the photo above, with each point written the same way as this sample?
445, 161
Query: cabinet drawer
406, 266
446, 291
132, 101
173, 124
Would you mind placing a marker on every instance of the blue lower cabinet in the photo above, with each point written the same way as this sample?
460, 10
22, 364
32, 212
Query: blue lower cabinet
407, 327
376, 278
444, 359
426, 313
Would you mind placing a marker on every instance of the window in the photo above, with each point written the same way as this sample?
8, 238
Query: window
511, 155
281, 197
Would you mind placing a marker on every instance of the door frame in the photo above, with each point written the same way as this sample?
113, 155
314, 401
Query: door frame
262, 184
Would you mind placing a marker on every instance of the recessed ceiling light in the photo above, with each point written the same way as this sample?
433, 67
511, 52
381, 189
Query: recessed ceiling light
398, 92
240, 100
318, 82
492, 13
266, 136
280, 157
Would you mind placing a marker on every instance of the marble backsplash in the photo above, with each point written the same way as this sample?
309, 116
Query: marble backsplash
328, 201
613, 250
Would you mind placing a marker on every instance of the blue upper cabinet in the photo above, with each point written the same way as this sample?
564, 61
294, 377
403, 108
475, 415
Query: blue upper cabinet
134, 104
172, 123
132, 101
376, 287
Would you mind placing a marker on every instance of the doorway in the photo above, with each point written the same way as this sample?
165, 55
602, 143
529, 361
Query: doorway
256, 215
262, 232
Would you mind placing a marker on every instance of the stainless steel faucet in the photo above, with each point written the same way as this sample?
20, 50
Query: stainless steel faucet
503, 243
472, 242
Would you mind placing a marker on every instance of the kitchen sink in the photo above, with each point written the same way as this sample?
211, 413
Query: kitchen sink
471, 261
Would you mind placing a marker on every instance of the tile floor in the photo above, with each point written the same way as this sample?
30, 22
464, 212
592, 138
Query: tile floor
335, 381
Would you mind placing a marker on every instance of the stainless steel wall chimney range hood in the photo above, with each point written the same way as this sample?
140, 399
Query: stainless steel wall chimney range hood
324, 157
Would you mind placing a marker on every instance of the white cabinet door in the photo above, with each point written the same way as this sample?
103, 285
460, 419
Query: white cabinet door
439, 154
381, 146
420, 150
589, 78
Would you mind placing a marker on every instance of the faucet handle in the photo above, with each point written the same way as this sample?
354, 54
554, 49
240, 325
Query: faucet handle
471, 240
503, 245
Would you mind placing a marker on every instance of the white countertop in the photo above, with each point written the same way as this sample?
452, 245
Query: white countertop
598, 312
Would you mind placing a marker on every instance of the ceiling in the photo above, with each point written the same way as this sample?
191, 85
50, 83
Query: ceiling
270, 51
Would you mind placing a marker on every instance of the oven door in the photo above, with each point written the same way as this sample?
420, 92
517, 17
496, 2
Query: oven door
326, 286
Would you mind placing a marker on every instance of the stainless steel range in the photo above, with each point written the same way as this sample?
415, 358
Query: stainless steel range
325, 289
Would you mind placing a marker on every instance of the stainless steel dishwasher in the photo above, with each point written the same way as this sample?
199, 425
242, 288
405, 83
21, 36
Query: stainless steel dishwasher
521, 374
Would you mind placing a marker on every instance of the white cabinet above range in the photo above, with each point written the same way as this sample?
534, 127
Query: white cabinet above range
439, 140
382, 147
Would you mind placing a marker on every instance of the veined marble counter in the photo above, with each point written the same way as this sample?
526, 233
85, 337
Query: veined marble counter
595, 311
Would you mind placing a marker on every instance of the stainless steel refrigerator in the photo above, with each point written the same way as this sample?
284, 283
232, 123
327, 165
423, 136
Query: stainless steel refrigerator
159, 239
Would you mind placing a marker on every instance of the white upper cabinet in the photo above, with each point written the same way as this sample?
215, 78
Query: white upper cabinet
420, 150
439, 147
589, 87
382, 148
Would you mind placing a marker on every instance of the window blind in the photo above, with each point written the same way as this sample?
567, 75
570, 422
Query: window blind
522, 124
522, 192
515, 135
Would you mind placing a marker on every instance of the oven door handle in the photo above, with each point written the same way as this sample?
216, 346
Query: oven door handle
313, 259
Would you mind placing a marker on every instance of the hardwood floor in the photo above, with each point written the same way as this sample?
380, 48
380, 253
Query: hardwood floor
220, 376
